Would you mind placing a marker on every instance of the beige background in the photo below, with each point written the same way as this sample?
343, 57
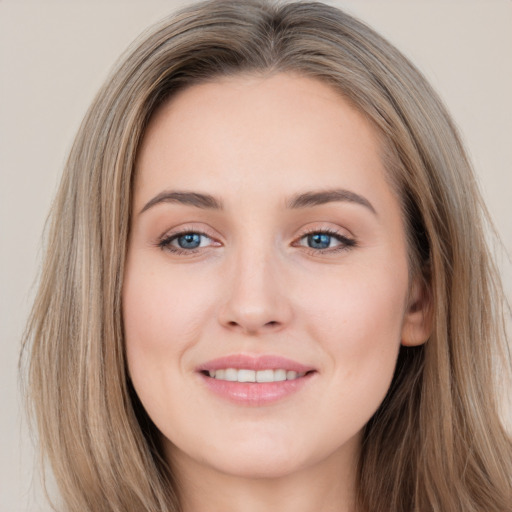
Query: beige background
55, 54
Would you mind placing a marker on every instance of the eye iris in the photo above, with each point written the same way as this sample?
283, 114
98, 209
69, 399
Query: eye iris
319, 241
189, 241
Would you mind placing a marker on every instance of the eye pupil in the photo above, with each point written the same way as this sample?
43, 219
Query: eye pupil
189, 241
319, 240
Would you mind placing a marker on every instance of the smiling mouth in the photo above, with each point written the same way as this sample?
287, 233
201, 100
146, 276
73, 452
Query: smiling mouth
254, 376
255, 380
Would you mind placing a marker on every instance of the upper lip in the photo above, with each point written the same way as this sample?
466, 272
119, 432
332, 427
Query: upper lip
255, 362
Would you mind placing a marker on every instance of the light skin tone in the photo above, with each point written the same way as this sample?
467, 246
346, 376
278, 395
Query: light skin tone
237, 249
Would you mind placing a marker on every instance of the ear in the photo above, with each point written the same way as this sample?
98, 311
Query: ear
418, 318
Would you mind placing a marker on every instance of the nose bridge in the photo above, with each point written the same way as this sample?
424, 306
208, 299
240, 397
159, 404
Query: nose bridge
255, 298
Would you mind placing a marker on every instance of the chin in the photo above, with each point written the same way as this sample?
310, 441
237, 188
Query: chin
260, 465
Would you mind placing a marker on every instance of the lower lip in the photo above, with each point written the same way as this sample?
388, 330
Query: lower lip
255, 393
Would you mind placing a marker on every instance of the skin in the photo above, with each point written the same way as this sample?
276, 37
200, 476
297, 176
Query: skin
255, 286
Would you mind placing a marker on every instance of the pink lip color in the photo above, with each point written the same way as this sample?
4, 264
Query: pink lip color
254, 393
247, 362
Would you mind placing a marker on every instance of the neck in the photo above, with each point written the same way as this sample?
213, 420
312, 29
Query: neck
325, 486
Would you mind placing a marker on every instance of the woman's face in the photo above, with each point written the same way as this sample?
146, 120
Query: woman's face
266, 245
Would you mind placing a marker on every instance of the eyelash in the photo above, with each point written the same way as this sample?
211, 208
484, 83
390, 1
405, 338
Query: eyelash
165, 242
345, 242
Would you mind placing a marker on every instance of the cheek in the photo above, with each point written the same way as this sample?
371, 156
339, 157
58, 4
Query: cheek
358, 306
163, 316
358, 324
162, 309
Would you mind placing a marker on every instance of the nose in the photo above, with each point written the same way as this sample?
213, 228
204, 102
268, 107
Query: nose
256, 299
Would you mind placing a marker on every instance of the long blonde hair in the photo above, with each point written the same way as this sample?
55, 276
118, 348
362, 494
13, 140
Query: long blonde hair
436, 443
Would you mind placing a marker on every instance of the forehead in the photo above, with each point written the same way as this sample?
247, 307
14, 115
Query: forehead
250, 132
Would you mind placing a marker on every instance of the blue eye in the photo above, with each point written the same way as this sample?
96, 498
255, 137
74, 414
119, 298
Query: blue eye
188, 242
319, 240
326, 241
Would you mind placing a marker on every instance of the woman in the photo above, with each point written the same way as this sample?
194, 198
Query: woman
267, 283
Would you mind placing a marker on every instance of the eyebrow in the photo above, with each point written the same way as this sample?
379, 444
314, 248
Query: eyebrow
309, 199
304, 200
204, 201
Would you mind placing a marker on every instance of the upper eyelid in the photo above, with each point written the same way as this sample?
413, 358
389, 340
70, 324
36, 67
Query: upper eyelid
341, 232
168, 239
204, 232
174, 236
187, 228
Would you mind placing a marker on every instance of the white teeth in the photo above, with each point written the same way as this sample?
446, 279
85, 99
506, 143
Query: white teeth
280, 375
231, 374
246, 376
234, 375
265, 376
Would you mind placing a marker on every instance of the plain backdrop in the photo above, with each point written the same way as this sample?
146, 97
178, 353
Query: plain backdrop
55, 54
